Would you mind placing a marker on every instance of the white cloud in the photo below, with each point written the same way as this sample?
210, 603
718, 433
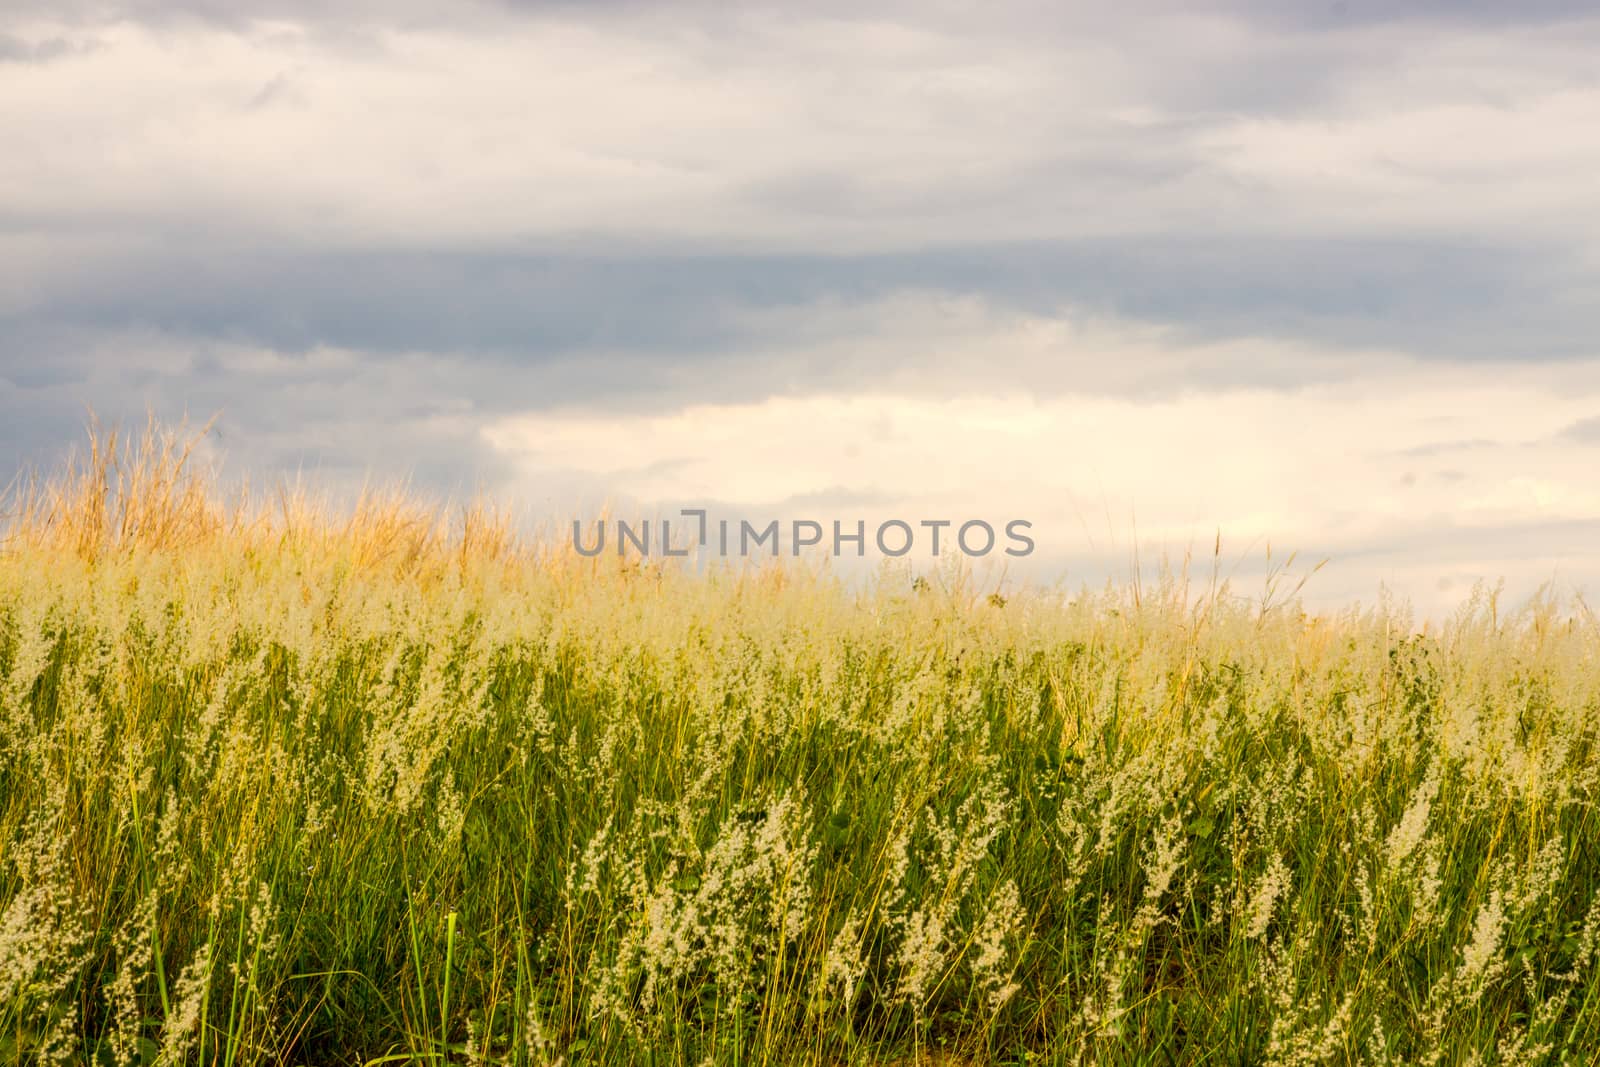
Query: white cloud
799, 131
1362, 469
1522, 167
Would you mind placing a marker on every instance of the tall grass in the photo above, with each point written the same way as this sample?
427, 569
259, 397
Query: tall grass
280, 784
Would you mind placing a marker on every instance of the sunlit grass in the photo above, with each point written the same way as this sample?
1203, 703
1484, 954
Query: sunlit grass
281, 784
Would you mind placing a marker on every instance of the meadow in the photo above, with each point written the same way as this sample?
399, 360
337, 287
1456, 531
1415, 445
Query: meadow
288, 784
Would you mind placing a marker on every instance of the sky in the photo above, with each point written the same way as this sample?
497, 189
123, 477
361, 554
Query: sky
1316, 278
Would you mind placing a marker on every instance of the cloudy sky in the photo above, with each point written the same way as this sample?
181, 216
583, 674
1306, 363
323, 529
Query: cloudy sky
1322, 276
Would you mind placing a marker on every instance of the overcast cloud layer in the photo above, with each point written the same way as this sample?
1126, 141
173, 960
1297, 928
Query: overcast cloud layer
1322, 275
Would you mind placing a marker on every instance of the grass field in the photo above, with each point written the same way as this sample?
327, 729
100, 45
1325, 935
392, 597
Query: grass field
283, 787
